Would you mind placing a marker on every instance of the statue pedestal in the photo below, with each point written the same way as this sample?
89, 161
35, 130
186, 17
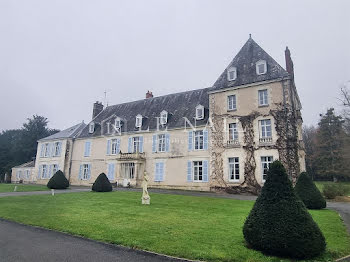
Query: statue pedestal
146, 201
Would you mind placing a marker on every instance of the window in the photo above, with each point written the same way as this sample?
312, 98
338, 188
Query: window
231, 103
261, 67
114, 146
161, 143
231, 73
263, 99
159, 172
91, 127
265, 165
138, 122
233, 163
233, 132
19, 176
54, 169
57, 149
197, 171
117, 123
44, 171
46, 150
136, 144
85, 171
198, 140
163, 117
87, 149
128, 170
199, 112
27, 174
265, 128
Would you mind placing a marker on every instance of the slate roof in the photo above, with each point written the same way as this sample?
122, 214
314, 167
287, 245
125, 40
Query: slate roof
177, 105
70, 132
26, 165
245, 61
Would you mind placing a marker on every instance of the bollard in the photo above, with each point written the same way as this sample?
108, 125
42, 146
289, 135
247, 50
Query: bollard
15, 189
52, 192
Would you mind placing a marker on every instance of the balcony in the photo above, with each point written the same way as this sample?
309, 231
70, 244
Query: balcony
265, 141
233, 143
131, 156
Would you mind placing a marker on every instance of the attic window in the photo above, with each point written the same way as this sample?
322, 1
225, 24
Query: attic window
163, 117
117, 122
138, 122
231, 73
91, 127
261, 67
199, 112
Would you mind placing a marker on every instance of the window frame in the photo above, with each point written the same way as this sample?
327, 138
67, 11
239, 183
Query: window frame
91, 127
163, 119
56, 148
138, 121
234, 132
198, 139
201, 109
260, 63
232, 102
130, 167
161, 143
85, 174
268, 161
117, 122
47, 150
136, 144
232, 166
265, 97
231, 69
263, 128
114, 143
199, 165
44, 174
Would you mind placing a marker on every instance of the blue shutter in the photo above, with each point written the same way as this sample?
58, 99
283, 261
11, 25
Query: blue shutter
189, 171
141, 144
156, 176
39, 172
59, 148
130, 146
108, 147
154, 143
161, 171
167, 142
51, 148
81, 172
205, 136
89, 172
87, 148
42, 150
190, 140
118, 146
205, 171
111, 171
112, 175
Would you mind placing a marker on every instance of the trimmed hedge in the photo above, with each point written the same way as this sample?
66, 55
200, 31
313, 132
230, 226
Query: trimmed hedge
102, 184
279, 224
306, 189
58, 181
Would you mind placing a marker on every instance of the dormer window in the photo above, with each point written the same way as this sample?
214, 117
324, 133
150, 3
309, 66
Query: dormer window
91, 127
199, 112
163, 117
231, 73
117, 123
261, 67
138, 122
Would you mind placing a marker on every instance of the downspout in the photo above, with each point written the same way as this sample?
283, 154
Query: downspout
70, 161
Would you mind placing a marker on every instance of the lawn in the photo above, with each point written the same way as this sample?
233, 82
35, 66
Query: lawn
320, 185
184, 226
21, 188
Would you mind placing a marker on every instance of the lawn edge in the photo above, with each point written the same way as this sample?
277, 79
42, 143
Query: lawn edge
110, 245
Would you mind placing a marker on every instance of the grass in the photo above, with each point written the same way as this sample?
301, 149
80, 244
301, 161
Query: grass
321, 184
191, 227
21, 188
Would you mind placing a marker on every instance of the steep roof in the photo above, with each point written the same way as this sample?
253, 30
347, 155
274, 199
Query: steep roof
70, 132
26, 165
245, 61
177, 105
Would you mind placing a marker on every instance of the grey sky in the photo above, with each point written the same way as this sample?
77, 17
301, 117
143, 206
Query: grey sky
58, 57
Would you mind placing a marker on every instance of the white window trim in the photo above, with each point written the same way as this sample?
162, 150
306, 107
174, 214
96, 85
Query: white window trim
133, 144
229, 70
239, 170
138, 122
261, 128
197, 181
91, 127
261, 62
199, 107
262, 166
194, 140
47, 150
267, 97
164, 143
117, 122
228, 103
163, 117
236, 128
83, 173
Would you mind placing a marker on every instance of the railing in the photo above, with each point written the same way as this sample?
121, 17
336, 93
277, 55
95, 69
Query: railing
233, 143
265, 140
127, 156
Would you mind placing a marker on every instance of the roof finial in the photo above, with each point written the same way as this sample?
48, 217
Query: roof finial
250, 36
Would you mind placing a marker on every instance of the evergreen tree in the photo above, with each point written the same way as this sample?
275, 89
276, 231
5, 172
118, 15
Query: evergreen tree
58, 181
306, 189
102, 184
330, 140
279, 224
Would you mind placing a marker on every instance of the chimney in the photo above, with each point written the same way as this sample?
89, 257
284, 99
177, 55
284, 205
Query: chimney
149, 94
289, 62
98, 107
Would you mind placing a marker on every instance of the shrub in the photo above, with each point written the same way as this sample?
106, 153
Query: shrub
306, 189
330, 191
58, 181
102, 184
279, 224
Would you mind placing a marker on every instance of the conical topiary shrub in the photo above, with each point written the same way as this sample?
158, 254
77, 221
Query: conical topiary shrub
306, 189
279, 224
102, 184
58, 181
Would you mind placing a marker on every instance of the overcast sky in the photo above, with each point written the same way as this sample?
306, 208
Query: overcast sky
58, 57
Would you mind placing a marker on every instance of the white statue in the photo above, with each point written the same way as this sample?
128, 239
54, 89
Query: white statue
145, 196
